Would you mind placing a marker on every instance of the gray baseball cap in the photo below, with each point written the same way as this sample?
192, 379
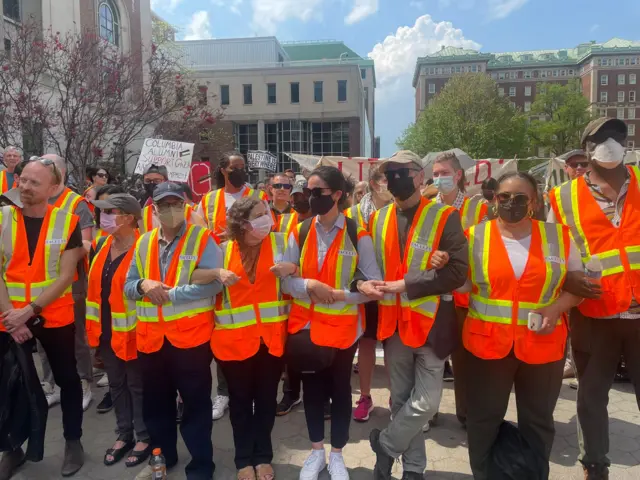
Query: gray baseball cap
168, 189
299, 187
122, 201
160, 169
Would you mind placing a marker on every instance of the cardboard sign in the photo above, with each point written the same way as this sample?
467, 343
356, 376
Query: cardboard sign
176, 156
257, 159
354, 167
483, 169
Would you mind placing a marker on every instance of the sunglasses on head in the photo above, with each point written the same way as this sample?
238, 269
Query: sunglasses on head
282, 186
578, 164
47, 162
515, 198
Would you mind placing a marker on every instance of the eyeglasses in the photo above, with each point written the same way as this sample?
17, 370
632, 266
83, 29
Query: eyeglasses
575, 165
317, 192
102, 175
515, 198
155, 182
282, 186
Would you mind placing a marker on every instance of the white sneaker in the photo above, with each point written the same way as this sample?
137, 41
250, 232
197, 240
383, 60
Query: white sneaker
104, 381
51, 393
87, 396
145, 474
337, 468
313, 465
220, 404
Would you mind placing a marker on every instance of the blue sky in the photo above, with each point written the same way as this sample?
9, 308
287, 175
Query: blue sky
395, 32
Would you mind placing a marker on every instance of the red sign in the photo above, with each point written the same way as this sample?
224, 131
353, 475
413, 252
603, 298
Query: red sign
199, 188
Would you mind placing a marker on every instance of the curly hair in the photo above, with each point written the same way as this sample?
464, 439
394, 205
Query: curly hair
223, 163
238, 215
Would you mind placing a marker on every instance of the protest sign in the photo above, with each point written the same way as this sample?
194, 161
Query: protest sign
176, 156
487, 168
257, 159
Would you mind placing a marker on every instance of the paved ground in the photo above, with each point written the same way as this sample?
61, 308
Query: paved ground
446, 443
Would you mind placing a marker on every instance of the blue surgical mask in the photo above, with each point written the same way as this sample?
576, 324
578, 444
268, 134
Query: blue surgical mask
444, 184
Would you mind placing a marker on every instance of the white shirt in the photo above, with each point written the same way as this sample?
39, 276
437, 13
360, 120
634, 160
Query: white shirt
518, 251
230, 198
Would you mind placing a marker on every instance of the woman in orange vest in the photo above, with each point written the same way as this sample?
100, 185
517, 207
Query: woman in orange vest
111, 322
517, 268
102, 194
328, 248
250, 331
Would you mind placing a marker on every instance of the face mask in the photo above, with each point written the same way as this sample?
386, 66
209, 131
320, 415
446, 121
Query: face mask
444, 184
108, 222
302, 206
149, 188
401, 188
237, 178
609, 154
261, 227
512, 213
172, 217
321, 205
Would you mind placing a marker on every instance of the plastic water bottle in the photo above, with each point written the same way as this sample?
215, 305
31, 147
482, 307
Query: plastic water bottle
158, 465
593, 270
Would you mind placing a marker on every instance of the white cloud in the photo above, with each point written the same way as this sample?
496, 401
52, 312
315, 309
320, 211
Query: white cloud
268, 13
594, 27
361, 9
200, 27
418, 4
499, 9
168, 5
232, 5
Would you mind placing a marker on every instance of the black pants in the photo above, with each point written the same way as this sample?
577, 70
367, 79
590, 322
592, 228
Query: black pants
332, 383
189, 372
59, 345
253, 388
292, 383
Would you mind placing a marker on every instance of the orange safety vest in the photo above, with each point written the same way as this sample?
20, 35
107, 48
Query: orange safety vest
334, 325
500, 305
286, 222
186, 325
25, 280
617, 248
123, 310
68, 200
4, 183
149, 221
412, 318
355, 213
246, 315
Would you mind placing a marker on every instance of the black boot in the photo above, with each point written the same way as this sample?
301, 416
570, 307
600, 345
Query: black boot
384, 461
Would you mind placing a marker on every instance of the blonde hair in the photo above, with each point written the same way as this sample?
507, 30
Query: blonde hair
455, 163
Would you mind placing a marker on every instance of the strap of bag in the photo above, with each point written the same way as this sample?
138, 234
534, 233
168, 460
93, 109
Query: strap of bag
352, 231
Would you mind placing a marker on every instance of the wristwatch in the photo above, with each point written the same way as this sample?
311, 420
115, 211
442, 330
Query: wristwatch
37, 309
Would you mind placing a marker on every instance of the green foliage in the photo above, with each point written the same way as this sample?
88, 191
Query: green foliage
468, 114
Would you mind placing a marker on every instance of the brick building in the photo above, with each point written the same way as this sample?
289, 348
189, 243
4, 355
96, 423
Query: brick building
608, 73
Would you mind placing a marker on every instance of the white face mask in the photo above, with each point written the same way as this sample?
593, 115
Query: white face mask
608, 154
261, 226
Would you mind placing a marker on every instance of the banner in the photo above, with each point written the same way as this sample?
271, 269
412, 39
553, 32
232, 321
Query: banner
487, 168
176, 156
260, 159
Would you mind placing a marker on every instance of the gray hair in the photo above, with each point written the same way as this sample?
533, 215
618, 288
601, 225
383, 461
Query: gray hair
11, 148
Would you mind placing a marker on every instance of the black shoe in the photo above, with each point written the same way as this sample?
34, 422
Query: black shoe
10, 462
596, 472
106, 404
384, 461
412, 476
286, 404
448, 372
179, 411
327, 410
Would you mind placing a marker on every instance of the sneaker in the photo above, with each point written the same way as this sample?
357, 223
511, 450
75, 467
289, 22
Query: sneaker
337, 468
106, 404
327, 410
448, 372
286, 404
52, 394
384, 461
87, 396
313, 465
104, 381
220, 404
363, 409
145, 474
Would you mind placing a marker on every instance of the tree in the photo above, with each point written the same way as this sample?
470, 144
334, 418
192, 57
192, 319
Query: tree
468, 114
559, 115
79, 96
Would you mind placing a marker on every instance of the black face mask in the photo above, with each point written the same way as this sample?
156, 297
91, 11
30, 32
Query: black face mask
401, 188
511, 213
149, 188
301, 206
237, 178
321, 205
488, 195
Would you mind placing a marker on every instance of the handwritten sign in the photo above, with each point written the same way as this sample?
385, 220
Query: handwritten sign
265, 160
176, 156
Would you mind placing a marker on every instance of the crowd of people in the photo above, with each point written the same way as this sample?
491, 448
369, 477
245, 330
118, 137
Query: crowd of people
290, 280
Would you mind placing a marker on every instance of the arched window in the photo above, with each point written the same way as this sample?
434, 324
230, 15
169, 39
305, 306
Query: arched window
109, 22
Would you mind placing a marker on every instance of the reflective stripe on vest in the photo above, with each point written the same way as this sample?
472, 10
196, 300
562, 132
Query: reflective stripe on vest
471, 212
355, 213
214, 202
68, 201
287, 221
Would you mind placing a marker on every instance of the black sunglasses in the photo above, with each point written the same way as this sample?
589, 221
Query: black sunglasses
317, 192
515, 198
578, 164
102, 175
282, 186
399, 173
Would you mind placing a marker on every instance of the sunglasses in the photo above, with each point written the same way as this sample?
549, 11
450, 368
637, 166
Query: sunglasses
317, 192
155, 182
575, 165
399, 173
282, 186
515, 198
47, 162
102, 175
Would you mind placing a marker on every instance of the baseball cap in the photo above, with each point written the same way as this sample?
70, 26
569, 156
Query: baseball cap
299, 187
122, 201
401, 157
573, 153
613, 127
160, 169
166, 190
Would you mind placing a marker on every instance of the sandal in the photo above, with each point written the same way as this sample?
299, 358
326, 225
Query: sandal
139, 455
247, 473
118, 453
265, 472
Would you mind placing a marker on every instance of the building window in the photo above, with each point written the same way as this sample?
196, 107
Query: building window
631, 113
631, 145
494, 76
271, 93
512, 91
202, 95
571, 72
363, 73
295, 92
527, 91
224, 94
602, 112
457, 69
439, 70
432, 88
474, 68
620, 113
109, 23
632, 96
527, 106
12, 9
501, 92
632, 79
604, 97
342, 90
527, 74
543, 74
631, 130
246, 137
604, 79
622, 79
563, 73
247, 93
317, 92
501, 75
330, 138
620, 96
555, 73
514, 75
